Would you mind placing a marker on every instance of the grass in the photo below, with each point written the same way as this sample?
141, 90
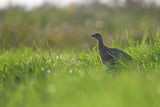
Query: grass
39, 77
48, 78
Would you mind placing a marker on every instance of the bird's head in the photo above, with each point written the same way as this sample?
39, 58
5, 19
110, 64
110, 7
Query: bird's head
97, 36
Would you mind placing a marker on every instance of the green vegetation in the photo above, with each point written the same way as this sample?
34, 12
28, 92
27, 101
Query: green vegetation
63, 28
67, 72
34, 77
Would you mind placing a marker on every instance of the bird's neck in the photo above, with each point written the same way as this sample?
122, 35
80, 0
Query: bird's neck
100, 42
101, 45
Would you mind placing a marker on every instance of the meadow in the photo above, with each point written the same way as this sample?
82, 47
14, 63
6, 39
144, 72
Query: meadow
46, 78
49, 60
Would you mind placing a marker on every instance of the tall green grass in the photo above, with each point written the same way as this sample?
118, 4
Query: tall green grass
49, 78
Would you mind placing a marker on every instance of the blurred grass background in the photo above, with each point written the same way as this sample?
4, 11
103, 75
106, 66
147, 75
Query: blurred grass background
71, 27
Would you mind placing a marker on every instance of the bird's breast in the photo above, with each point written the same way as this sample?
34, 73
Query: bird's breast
104, 54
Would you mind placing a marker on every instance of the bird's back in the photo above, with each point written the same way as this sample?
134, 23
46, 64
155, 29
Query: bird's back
118, 54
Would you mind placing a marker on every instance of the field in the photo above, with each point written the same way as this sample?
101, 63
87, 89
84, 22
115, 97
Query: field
47, 58
46, 78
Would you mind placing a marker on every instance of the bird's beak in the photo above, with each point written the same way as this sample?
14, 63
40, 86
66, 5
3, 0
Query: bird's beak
92, 35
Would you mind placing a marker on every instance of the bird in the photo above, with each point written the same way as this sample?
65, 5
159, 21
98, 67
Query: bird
110, 55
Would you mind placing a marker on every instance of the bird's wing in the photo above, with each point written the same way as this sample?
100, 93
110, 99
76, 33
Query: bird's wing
116, 53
